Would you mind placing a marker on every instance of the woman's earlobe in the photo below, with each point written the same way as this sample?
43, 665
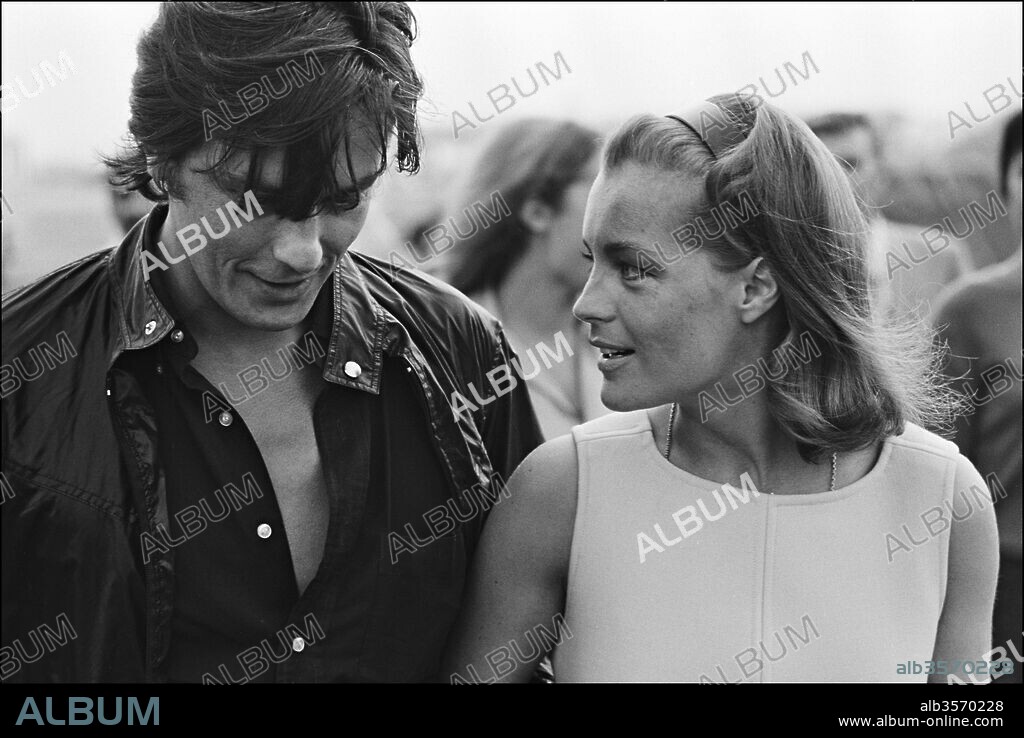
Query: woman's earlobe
536, 216
761, 290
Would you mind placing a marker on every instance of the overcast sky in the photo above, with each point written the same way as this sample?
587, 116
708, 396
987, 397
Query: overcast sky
921, 59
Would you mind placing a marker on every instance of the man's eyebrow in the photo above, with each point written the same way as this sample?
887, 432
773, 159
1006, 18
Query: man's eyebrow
368, 181
238, 181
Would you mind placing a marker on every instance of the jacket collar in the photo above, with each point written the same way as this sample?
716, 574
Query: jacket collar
345, 308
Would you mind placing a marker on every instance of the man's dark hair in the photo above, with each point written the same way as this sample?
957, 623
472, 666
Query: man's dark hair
1008, 149
334, 65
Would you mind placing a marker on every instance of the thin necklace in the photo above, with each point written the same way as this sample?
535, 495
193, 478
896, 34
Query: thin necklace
668, 448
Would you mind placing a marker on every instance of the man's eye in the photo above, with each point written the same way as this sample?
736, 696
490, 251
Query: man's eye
267, 202
586, 254
344, 203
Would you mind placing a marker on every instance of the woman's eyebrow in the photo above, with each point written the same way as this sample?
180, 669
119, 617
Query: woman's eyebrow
624, 248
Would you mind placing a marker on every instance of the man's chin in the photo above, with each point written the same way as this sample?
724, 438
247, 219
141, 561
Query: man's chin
274, 319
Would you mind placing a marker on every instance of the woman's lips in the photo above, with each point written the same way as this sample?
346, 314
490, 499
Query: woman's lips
612, 360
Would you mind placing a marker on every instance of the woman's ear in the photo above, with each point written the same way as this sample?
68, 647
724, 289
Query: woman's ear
536, 216
760, 290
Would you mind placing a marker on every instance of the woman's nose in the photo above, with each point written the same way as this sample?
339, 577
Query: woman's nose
593, 306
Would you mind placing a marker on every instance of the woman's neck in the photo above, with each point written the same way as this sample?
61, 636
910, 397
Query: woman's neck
744, 438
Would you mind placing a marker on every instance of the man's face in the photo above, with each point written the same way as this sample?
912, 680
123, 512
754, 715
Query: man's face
264, 274
855, 149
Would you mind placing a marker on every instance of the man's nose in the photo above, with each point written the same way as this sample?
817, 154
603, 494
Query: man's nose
297, 244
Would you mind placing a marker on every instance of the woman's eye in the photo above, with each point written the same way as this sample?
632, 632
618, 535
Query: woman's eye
586, 254
629, 272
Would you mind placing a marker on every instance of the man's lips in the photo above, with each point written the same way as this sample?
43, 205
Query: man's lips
284, 284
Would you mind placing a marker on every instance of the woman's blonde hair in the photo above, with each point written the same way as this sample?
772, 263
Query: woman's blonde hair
871, 375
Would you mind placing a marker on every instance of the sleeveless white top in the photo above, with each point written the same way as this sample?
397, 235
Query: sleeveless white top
676, 578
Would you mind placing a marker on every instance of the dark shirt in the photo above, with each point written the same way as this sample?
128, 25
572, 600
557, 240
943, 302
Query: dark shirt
237, 609
980, 317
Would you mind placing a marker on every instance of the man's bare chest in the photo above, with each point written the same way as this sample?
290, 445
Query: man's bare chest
280, 420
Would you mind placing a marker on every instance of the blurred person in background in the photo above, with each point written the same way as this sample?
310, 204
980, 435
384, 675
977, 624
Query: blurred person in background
620, 529
525, 269
129, 208
898, 291
980, 317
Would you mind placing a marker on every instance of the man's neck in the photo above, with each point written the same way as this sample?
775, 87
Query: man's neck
213, 329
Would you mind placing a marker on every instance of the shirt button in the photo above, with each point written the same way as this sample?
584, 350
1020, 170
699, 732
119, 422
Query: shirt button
150, 327
225, 418
263, 531
298, 644
159, 368
352, 369
178, 336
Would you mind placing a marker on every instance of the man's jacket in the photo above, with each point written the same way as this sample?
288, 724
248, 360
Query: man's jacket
82, 481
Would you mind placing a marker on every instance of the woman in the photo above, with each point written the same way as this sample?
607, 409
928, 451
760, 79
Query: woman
525, 268
745, 515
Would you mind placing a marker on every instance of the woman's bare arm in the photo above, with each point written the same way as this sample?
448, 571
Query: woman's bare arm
965, 627
516, 588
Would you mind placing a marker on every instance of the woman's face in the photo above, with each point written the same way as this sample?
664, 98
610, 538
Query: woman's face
673, 331
563, 237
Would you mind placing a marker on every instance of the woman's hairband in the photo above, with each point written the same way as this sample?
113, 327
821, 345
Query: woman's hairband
718, 127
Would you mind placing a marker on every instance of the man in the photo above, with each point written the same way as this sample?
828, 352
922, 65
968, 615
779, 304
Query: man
240, 463
901, 286
980, 317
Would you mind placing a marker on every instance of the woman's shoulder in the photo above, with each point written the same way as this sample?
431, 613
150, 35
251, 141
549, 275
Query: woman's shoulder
917, 438
928, 450
551, 472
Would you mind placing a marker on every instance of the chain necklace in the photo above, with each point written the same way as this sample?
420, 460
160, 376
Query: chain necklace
668, 447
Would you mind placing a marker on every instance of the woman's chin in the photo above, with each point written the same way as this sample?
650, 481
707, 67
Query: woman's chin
623, 402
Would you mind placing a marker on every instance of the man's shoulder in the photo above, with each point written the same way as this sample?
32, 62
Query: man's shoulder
986, 292
921, 261
421, 301
55, 303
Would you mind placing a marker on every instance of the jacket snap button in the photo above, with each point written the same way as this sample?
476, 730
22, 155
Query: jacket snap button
352, 369
150, 327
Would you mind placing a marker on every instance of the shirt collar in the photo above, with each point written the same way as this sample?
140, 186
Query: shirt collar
345, 309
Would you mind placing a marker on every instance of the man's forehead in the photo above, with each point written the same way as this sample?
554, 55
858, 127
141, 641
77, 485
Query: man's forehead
365, 162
